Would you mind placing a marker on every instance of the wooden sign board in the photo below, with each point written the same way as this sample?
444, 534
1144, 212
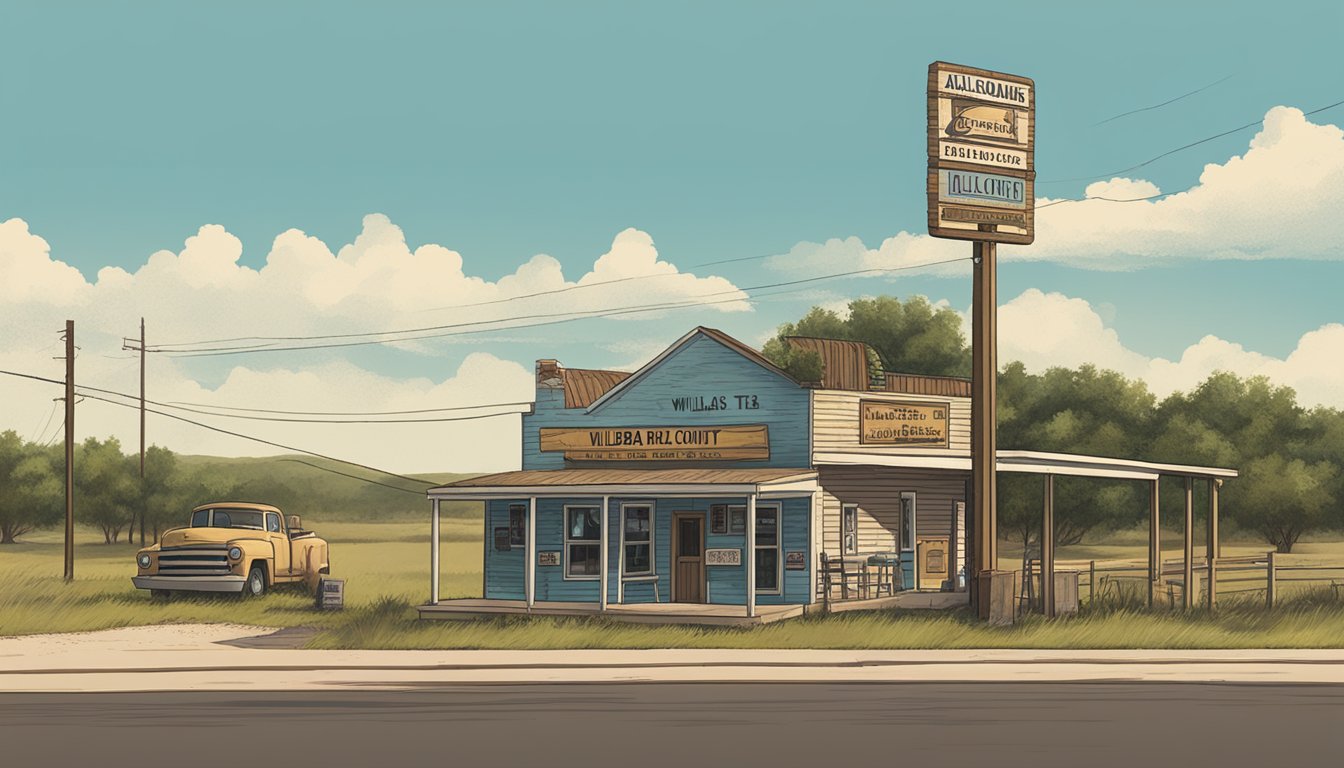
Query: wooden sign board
795, 560
886, 422
548, 558
723, 557
732, 442
982, 148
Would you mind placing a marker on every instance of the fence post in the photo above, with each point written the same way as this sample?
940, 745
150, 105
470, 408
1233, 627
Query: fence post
1270, 586
1091, 582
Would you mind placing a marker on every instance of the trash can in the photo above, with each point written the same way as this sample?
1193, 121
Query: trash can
995, 598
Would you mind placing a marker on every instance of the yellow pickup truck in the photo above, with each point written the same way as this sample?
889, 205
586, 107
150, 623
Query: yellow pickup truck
233, 547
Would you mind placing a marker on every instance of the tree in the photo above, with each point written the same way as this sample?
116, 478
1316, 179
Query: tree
1283, 498
160, 493
30, 491
107, 486
910, 337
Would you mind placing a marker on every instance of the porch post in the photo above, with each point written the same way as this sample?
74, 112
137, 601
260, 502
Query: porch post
1187, 593
1048, 549
1211, 545
1154, 542
606, 552
751, 555
531, 568
434, 554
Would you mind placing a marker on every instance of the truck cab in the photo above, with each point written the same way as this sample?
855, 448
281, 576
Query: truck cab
239, 547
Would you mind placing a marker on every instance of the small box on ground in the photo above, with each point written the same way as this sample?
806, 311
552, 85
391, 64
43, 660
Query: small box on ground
331, 594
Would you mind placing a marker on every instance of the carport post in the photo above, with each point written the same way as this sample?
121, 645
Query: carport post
606, 554
531, 568
1187, 592
751, 555
1048, 549
434, 554
1212, 544
1154, 539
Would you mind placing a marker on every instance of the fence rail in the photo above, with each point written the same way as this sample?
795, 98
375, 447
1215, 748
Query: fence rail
1101, 580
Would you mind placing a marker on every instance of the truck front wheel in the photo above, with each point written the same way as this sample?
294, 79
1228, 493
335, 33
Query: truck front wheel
255, 586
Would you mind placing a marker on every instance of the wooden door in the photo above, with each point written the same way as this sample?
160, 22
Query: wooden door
688, 558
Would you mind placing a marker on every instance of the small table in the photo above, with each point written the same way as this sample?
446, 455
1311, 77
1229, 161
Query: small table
888, 571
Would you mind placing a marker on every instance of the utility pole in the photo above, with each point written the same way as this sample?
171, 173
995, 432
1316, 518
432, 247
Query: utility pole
69, 450
129, 344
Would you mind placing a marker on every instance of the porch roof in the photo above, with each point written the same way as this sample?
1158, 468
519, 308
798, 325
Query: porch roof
632, 482
1032, 462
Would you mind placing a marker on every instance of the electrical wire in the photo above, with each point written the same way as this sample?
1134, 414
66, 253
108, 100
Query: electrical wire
430, 332
171, 403
1163, 104
352, 477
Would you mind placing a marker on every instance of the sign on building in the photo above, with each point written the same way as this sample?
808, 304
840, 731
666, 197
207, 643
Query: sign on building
982, 146
723, 557
887, 422
735, 442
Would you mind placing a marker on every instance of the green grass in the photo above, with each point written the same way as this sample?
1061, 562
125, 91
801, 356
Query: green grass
385, 565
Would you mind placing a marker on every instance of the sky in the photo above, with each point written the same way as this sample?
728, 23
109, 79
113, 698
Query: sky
298, 169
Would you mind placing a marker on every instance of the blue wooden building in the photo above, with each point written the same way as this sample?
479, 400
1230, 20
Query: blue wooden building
711, 486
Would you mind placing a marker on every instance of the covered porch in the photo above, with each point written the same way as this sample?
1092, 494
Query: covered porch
638, 545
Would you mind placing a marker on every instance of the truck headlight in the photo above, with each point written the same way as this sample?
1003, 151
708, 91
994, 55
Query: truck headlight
143, 560
235, 553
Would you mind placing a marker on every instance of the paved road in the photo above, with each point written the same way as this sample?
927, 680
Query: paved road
641, 725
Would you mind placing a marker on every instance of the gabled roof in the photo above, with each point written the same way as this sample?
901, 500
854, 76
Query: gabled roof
712, 333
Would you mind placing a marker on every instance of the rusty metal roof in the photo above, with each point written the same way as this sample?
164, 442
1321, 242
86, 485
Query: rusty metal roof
844, 363
916, 384
583, 386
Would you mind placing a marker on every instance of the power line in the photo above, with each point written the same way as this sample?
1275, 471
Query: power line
171, 403
353, 477
567, 317
1163, 104
1206, 140
262, 440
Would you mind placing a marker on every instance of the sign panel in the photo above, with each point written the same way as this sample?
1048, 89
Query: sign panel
750, 441
981, 145
885, 422
503, 541
723, 557
795, 560
548, 558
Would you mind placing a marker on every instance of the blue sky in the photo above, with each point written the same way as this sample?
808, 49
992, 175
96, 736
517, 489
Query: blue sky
722, 130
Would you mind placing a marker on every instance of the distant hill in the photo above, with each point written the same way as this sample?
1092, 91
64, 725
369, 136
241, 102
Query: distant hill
312, 487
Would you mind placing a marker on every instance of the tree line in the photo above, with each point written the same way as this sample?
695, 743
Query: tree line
1289, 457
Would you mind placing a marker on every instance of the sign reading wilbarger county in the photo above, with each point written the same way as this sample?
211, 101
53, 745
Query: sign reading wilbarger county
981, 145
749, 441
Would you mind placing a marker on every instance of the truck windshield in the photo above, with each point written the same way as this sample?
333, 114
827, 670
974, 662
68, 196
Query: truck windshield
227, 518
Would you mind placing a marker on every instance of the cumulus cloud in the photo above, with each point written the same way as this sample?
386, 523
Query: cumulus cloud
1278, 200
1050, 329
376, 283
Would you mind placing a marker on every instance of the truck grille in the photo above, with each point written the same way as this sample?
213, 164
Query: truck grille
203, 560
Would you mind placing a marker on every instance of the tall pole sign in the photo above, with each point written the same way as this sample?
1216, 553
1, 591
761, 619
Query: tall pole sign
982, 173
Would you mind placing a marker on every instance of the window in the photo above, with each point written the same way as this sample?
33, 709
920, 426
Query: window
737, 520
272, 522
849, 528
767, 550
583, 542
908, 521
517, 525
200, 518
637, 539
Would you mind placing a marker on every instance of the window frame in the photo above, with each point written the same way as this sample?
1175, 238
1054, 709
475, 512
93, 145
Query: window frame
778, 546
849, 512
597, 543
521, 541
652, 572
908, 533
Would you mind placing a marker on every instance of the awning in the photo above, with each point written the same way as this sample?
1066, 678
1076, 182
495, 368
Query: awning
766, 483
1032, 462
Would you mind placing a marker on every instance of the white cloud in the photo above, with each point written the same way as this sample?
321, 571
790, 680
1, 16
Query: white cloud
1050, 329
376, 283
1280, 199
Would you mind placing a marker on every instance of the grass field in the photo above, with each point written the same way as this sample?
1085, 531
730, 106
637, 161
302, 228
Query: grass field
386, 568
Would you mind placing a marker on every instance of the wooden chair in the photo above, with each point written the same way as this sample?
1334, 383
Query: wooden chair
832, 567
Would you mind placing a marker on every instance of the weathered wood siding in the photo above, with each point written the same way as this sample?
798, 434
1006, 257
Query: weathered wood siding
702, 368
835, 423
877, 492
503, 568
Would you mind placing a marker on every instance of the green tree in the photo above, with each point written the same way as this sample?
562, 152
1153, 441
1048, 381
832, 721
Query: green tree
30, 489
1283, 498
910, 336
106, 486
